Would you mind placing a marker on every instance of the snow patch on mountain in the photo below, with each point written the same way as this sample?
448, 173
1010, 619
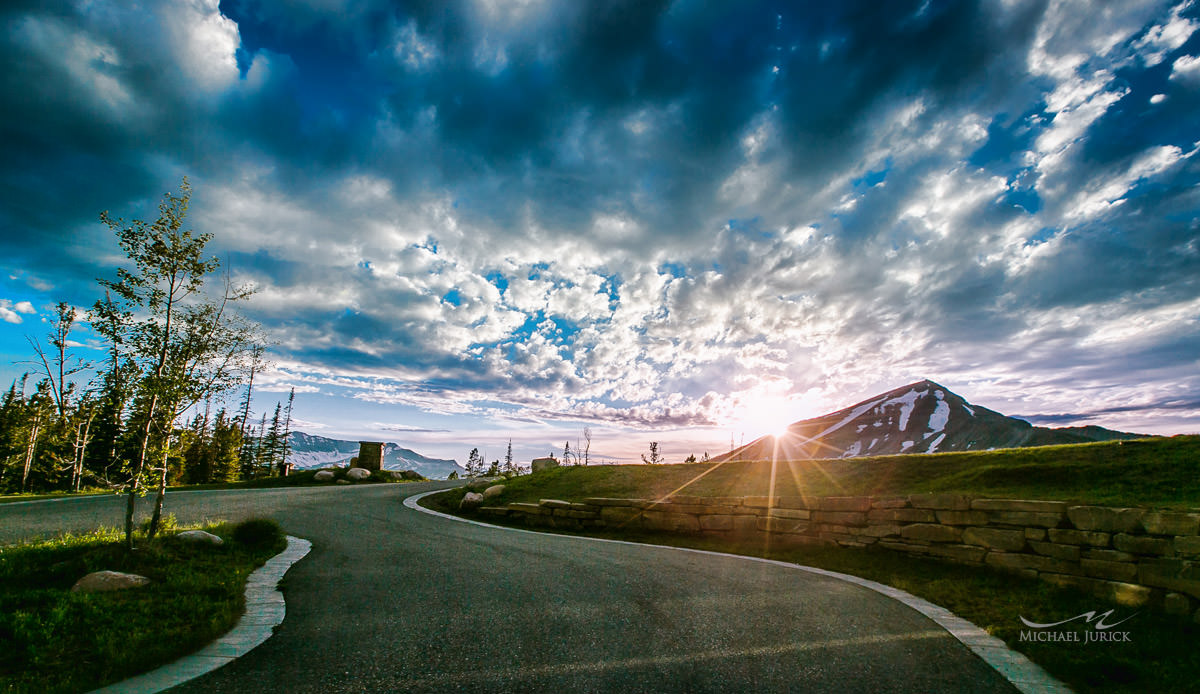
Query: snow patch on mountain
941, 413
936, 442
906, 402
854, 414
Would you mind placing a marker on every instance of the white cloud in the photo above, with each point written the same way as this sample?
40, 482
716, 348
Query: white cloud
1103, 194
205, 42
1187, 70
1162, 39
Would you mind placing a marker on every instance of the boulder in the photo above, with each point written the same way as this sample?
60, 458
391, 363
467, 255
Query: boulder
324, 476
470, 501
493, 491
411, 475
540, 464
357, 473
106, 581
199, 537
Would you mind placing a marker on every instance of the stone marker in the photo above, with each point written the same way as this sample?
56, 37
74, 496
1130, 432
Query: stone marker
199, 537
540, 464
370, 455
105, 581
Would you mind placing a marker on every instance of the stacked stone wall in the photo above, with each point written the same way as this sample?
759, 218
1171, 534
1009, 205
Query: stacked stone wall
1132, 555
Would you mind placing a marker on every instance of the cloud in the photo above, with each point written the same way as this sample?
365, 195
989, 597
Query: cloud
639, 213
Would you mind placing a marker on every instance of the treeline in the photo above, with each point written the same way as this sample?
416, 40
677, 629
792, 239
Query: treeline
171, 345
476, 467
43, 450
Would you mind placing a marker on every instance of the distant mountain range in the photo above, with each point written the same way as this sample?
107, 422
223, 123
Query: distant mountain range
308, 451
922, 417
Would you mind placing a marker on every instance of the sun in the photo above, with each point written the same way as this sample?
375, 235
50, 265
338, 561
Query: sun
762, 415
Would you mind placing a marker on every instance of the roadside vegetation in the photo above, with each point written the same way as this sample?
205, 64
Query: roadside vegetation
1158, 472
1163, 472
147, 409
56, 640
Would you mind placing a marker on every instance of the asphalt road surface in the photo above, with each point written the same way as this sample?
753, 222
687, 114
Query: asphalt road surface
394, 600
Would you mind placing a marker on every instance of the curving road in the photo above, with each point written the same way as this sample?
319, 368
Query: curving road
393, 600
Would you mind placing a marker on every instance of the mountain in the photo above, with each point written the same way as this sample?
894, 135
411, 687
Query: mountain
921, 417
308, 451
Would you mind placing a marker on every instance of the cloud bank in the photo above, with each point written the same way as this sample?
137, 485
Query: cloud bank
646, 214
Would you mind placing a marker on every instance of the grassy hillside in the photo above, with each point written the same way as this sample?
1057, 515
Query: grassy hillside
1161, 472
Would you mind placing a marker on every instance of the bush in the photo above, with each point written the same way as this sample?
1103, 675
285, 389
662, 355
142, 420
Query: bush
257, 532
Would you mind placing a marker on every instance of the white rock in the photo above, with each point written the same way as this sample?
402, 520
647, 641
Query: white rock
105, 581
199, 537
324, 476
471, 500
358, 473
493, 491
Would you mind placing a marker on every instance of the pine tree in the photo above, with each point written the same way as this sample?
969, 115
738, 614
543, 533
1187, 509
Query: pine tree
286, 447
509, 467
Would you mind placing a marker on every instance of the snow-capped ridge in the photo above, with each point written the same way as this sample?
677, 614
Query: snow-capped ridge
921, 417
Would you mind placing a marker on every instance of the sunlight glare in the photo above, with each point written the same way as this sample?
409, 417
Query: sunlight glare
764, 415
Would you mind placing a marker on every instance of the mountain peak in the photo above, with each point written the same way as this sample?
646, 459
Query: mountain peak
921, 417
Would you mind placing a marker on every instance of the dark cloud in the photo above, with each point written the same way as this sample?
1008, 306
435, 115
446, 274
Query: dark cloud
707, 195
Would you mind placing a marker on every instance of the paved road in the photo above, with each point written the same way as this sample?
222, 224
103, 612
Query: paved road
392, 600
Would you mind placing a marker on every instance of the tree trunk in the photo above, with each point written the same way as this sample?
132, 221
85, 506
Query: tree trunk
135, 482
162, 490
33, 437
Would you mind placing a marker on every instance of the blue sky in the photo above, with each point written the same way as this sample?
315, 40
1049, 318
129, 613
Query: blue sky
673, 221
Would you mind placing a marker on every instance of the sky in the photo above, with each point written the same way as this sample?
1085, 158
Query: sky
684, 222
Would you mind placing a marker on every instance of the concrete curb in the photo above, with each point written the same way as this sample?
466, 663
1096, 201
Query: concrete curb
1024, 674
265, 610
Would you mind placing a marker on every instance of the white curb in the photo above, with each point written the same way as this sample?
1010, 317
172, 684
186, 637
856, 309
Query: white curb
1024, 674
265, 610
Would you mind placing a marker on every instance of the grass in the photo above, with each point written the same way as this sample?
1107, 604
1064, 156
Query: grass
59, 641
1161, 472
1161, 655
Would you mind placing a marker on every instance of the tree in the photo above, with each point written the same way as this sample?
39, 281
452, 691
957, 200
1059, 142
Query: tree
587, 449
183, 345
654, 458
474, 463
286, 448
509, 468
705, 458
690, 459
568, 456
57, 365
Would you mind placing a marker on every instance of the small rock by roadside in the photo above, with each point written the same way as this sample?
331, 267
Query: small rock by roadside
470, 501
199, 537
106, 581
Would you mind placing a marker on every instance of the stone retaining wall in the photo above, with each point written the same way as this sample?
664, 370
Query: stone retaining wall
1132, 555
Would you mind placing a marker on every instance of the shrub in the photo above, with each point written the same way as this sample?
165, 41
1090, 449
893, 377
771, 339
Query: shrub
257, 532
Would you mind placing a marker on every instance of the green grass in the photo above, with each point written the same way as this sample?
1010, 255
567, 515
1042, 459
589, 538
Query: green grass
1161, 472
59, 641
1160, 657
